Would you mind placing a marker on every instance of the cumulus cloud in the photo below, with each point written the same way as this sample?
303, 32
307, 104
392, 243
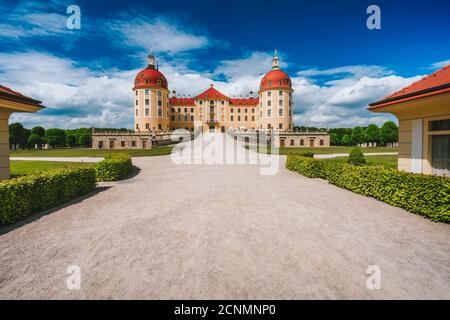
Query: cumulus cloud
159, 33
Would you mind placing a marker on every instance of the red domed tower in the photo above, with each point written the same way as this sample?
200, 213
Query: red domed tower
275, 96
151, 99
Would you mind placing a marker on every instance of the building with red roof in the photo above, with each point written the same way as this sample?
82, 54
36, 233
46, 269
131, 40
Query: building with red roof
159, 111
11, 101
423, 111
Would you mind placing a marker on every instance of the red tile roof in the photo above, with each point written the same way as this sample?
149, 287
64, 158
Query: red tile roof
211, 94
15, 94
244, 102
182, 101
436, 83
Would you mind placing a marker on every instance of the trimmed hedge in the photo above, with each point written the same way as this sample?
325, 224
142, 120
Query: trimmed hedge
422, 194
25, 195
115, 167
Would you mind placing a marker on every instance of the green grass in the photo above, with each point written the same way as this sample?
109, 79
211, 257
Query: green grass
326, 150
20, 168
159, 151
388, 161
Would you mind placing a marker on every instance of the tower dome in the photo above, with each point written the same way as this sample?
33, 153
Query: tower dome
150, 77
276, 78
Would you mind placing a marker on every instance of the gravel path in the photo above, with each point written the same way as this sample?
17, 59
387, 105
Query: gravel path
225, 232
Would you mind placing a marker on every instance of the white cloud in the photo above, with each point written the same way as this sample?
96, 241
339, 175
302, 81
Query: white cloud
440, 64
158, 33
356, 71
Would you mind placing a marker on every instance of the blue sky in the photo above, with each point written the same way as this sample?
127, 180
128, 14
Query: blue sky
337, 65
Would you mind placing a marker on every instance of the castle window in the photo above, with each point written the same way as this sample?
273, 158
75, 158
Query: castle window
159, 103
253, 118
223, 102
269, 103
159, 82
232, 110
147, 126
137, 112
201, 102
239, 118
280, 93
246, 118
280, 126
302, 142
185, 118
137, 126
160, 126
179, 109
136, 92
160, 113
133, 143
192, 118
147, 102
280, 112
185, 110
192, 110
173, 118
269, 113
253, 110
246, 110
269, 93
280, 102
232, 118
147, 91
137, 102
159, 92
179, 118
173, 109
292, 142
321, 142
239, 110
270, 82
147, 82
147, 112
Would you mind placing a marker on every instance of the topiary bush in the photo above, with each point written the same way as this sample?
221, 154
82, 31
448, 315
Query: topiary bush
115, 167
356, 157
29, 194
422, 194
306, 154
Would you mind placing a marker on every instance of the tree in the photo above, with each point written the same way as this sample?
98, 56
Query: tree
55, 137
71, 140
40, 131
372, 134
35, 139
86, 140
17, 134
358, 135
356, 157
389, 132
346, 140
334, 139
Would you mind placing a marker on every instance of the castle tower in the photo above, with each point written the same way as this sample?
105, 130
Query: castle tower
276, 100
151, 99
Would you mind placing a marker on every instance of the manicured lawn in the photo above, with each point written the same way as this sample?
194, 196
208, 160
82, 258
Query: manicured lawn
327, 150
388, 161
160, 151
20, 168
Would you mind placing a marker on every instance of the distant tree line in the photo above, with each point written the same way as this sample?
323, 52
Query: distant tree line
386, 135
20, 137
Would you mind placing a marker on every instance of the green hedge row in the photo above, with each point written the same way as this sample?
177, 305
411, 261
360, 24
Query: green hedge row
422, 194
23, 196
115, 167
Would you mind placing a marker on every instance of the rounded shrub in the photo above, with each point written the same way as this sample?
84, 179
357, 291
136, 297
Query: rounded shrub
356, 157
